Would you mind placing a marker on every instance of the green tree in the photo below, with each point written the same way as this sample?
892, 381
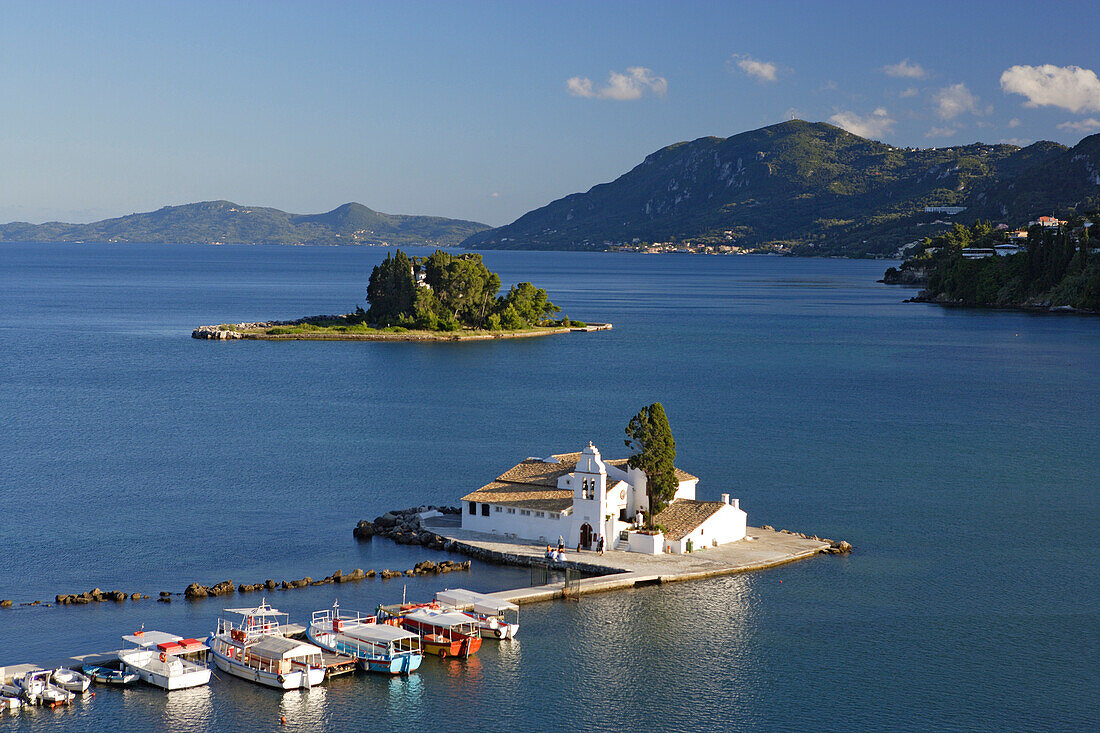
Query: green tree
530, 303
391, 290
650, 437
464, 286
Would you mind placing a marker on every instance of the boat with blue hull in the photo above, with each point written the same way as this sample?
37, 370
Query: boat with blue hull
378, 647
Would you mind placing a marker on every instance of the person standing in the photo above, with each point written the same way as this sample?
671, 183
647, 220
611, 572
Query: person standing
561, 543
599, 545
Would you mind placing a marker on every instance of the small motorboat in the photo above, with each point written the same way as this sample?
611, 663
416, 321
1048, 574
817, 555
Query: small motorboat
36, 689
10, 702
71, 680
108, 676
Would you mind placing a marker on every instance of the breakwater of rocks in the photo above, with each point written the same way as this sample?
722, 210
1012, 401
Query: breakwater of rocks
196, 591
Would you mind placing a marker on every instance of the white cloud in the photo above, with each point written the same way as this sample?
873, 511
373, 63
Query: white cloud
621, 87
874, 125
905, 70
1068, 87
910, 92
495, 195
940, 132
1014, 122
1019, 141
1090, 125
956, 99
759, 70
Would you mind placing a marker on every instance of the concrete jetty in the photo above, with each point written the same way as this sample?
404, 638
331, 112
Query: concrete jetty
619, 570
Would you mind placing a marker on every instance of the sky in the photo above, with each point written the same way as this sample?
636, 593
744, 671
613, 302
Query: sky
486, 110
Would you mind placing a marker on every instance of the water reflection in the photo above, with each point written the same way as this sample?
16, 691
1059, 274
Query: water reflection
304, 708
192, 709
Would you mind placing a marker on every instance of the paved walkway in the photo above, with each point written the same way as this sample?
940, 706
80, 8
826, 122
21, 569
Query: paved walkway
760, 549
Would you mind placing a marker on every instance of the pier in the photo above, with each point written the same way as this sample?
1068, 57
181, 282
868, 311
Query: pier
621, 570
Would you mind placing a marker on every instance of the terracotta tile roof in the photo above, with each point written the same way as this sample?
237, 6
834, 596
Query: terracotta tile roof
533, 484
523, 496
681, 517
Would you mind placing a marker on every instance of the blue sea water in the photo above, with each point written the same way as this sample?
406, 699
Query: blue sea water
956, 449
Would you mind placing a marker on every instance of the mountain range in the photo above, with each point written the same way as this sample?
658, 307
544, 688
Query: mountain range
808, 188
227, 223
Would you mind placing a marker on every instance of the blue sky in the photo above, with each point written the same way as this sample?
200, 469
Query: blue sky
484, 110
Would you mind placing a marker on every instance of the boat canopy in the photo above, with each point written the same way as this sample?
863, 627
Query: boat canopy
377, 633
262, 610
435, 617
147, 639
280, 647
481, 602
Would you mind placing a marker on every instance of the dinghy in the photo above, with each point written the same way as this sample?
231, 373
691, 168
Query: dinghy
71, 680
108, 676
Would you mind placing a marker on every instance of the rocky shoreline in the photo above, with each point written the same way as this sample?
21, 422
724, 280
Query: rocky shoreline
924, 297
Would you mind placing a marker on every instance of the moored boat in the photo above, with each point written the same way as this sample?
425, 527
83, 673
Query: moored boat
36, 689
10, 702
108, 676
256, 649
378, 647
443, 632
496, 618
165, 660
70, 679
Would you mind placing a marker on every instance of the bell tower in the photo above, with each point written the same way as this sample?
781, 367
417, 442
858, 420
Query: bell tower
589, 495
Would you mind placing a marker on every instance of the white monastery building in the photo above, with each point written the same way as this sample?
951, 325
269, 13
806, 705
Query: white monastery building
581, 497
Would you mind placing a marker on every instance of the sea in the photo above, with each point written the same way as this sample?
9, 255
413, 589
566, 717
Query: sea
956, 449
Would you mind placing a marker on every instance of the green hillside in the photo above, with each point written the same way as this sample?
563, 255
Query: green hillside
809, 188
228, 223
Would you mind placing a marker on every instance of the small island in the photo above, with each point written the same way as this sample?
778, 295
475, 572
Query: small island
442, 297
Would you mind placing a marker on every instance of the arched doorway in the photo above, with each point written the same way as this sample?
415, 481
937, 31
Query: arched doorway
586, 536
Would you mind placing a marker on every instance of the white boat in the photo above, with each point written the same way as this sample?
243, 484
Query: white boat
10, 702
36, 689
256, 648
378, 647
71, 680
166, 660
491, 614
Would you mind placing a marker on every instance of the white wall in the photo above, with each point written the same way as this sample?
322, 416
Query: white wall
647, 544
525, 526
725, 525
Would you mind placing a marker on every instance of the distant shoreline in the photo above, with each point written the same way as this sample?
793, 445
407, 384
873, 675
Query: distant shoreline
263, 331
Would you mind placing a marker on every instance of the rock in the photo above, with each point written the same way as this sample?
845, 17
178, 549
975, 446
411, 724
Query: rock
96, 594
270, 584
80, 600
370, 573
387, 574
61, 599
223, 588
135, 596
365, 530
410, 571
196, 591
5, 603
768, 527
386, 520
426, 566
117, 596
164, 599
843, 547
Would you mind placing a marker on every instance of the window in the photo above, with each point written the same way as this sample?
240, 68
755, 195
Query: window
496, 509
511, 510
473, 507
524, 512
484, 510
555, 516
540, 514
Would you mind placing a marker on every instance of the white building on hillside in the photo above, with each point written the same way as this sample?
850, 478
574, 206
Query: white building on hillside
581, 497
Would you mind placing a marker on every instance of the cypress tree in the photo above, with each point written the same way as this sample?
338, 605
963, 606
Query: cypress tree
650, 437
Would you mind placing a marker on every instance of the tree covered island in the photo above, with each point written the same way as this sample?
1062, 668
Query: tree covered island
443, 296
